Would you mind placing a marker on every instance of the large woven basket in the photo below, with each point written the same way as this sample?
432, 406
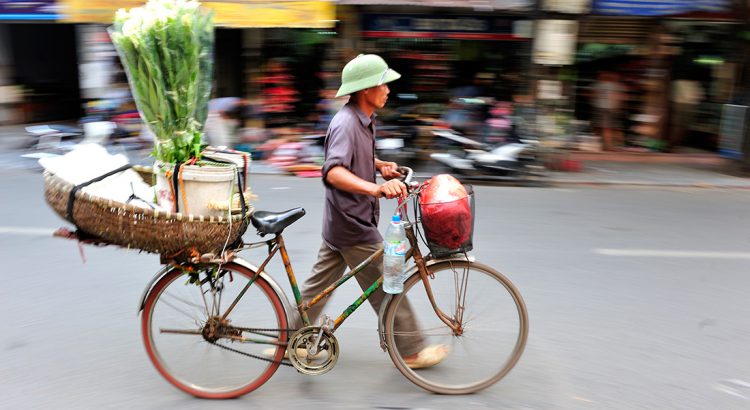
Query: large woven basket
166, 233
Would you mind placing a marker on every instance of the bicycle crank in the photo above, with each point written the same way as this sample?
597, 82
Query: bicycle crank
301, 344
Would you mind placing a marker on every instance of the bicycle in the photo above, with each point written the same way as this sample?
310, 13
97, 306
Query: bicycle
205, 324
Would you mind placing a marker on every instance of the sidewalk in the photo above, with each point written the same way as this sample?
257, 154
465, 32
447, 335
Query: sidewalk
697, 170
650, 174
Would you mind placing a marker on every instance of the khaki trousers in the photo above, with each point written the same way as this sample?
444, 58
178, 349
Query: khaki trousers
331, 266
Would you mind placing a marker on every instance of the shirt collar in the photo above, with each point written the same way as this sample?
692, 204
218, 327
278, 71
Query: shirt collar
365, 120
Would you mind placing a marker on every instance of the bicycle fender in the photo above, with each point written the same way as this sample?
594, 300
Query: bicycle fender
388, 297
292, 319
163, 271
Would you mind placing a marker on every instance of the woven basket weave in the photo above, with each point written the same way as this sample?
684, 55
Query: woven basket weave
166, 233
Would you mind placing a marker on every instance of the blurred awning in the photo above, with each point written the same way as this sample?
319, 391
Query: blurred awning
28, 10
238, 13
658, 7
480, 5
615, 30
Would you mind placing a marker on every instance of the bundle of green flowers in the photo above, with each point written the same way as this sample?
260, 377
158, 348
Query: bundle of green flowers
166, 48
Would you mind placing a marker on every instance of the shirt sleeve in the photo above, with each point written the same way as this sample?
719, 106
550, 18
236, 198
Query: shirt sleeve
338, 151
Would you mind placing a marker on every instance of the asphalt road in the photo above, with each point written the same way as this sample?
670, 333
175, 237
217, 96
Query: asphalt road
637, 300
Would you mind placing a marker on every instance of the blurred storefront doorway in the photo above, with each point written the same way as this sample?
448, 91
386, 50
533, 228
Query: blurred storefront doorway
45, 67
441, 56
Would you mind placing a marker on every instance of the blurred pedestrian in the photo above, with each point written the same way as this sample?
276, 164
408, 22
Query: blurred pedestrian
225, 117
685, 95
609, 97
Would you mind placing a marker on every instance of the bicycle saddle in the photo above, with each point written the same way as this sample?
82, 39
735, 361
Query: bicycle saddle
275, 222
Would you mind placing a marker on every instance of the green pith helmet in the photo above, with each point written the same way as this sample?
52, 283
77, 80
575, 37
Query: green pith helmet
365, 71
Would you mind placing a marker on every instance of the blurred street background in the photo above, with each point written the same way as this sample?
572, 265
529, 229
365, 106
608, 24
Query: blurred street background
576, 80
613, 193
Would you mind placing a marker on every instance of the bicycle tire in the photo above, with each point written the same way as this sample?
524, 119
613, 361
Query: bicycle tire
219, 373
465, 369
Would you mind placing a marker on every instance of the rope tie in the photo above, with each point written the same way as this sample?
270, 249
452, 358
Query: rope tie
182, 188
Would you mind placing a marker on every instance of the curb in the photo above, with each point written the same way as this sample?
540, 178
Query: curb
641, 184
651, 158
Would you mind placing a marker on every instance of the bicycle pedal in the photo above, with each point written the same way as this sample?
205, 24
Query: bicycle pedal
326, 324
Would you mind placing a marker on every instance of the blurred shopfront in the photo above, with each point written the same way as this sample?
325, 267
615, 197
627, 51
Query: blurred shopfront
38, 66
677, 64
441, 56
447, 48
51, 69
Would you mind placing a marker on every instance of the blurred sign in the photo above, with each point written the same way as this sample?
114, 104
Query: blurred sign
555, 42
732, 130
549, 90
438, 26
28, 10
240, 13
567, 6
658, 8
475, 4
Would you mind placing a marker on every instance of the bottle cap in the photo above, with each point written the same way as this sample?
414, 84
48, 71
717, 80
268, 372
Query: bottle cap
396, 218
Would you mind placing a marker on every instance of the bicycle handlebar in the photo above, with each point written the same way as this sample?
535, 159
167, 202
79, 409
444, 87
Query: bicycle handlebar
406, 176
408, 172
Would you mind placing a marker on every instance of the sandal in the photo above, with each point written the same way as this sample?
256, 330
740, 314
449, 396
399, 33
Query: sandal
427, 357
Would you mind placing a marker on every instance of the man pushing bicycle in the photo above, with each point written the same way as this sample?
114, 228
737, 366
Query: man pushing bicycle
351, 210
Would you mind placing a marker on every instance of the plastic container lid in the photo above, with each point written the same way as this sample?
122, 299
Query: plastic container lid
396, 218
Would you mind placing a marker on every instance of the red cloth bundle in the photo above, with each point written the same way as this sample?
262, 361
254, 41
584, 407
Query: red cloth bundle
446, 212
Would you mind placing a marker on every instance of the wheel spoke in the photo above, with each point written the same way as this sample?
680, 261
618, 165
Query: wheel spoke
178, 310
187, 302
181, 331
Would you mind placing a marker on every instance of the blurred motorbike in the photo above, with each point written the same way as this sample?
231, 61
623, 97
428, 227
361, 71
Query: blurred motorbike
106, 125
102, 125
400, 136
395, 144
56, 138
516, 160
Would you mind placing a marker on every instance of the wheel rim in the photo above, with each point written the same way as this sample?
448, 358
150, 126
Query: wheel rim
196, 363
493, 331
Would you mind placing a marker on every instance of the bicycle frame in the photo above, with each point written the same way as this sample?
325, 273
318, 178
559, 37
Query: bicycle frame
277, 244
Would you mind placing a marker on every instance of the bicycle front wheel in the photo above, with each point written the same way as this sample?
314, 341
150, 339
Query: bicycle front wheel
200, 352
491, 328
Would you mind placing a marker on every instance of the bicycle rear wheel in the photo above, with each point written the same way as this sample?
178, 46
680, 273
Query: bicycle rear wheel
491, 316
199, 353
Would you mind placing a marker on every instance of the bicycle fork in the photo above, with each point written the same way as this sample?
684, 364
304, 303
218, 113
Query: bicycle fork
455, 323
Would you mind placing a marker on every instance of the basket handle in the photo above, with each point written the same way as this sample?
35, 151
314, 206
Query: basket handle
74, 190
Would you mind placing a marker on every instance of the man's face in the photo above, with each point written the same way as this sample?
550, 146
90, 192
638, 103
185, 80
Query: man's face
377, 96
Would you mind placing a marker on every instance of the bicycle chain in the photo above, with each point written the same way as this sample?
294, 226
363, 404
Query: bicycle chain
265, 359
255, 329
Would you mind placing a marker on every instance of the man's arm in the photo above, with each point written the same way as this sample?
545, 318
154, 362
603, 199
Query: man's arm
343, 179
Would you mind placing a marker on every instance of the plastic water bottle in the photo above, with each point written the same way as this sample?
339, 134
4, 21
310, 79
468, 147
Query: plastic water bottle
393, 256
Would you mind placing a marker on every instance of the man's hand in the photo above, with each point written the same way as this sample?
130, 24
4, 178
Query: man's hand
388, 170
392, 189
